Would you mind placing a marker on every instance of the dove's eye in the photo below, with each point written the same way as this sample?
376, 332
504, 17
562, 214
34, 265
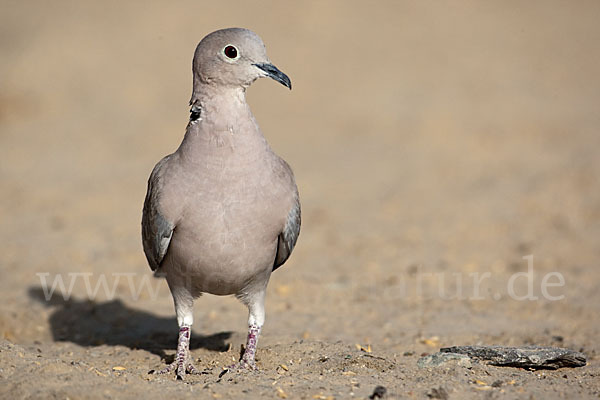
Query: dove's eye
230, 51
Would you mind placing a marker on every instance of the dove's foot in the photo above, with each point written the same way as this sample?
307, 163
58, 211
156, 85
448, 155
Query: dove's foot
183, 360
248, 363
243, 365
181, 369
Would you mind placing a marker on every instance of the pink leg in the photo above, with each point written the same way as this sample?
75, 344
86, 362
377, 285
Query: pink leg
183, 360
248, 361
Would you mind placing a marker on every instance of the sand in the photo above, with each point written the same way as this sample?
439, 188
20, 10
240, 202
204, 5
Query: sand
447, 161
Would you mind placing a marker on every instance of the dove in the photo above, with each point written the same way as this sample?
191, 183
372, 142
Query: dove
222, 212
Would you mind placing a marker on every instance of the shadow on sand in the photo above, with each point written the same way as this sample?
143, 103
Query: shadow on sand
88, 323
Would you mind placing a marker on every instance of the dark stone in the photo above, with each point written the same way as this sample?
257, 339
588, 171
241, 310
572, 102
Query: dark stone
535, 357
439, 393
378, 393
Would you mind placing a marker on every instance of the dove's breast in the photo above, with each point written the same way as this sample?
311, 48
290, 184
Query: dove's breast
234, 211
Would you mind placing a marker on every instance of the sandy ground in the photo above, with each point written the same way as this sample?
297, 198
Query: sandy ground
435, 146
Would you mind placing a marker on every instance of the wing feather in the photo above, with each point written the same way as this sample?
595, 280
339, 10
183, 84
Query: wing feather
288, 237
157, 231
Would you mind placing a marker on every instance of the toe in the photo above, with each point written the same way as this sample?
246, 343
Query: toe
181, 372
191, 369
169, 368
243, 365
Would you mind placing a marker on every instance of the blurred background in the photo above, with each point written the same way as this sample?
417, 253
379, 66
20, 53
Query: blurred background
428, 139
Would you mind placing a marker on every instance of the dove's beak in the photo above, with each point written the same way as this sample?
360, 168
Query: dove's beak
273, 72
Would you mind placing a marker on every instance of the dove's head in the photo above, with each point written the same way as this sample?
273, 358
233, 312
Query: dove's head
234, 57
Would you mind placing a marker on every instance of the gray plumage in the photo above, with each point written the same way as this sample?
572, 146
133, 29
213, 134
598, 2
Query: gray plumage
222, 212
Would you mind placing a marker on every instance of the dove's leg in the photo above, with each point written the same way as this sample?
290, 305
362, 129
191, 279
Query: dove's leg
256, 319
183, 359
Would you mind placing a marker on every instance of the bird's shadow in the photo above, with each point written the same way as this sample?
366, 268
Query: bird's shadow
90, 323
